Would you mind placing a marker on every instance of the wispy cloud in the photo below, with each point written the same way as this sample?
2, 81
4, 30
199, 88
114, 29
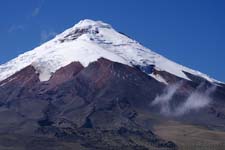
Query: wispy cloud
46, 35
14, 28
37, 10
164, 99
196, 100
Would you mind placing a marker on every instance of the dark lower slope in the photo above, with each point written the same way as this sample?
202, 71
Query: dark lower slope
106, 105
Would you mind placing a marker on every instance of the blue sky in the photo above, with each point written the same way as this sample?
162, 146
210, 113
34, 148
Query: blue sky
190, 32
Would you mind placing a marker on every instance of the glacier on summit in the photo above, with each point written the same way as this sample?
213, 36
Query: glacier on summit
86, 42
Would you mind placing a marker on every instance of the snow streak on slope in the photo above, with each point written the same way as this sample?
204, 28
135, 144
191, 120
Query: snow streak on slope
86, 42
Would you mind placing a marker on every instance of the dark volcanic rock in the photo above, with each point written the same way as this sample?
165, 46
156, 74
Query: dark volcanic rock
103, 106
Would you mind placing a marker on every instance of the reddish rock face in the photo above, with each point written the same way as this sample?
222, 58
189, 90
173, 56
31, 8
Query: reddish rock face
64, 74
25, 77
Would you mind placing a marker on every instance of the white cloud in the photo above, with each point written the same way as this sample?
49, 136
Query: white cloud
195, 101
164, 99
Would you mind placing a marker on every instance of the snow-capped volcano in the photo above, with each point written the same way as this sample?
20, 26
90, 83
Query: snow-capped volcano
86, 42
104, 90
